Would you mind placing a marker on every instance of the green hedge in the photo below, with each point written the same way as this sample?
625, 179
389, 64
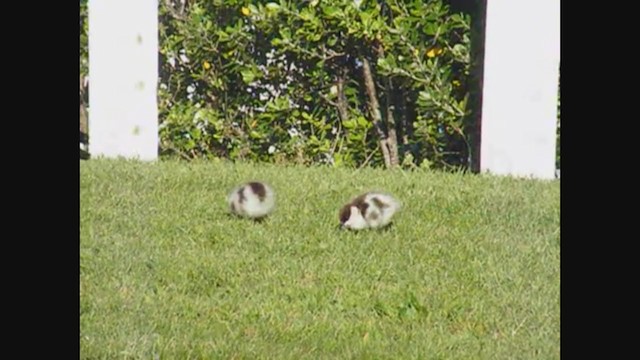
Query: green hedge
286, 81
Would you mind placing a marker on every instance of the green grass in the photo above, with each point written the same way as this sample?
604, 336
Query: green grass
470, 269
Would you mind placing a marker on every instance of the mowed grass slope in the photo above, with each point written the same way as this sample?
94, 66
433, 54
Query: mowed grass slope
470, 268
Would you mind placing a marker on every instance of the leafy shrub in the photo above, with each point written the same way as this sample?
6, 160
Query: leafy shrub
286, 81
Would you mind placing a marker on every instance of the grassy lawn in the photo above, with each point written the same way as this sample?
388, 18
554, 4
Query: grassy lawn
469, 270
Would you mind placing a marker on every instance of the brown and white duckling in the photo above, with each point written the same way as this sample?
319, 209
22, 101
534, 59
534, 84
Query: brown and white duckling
370, 210
254, 200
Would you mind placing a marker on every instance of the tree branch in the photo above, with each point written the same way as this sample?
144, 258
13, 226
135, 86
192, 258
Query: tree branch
374, 107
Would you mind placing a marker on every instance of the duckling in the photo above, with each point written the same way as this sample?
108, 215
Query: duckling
369, 210
254, 200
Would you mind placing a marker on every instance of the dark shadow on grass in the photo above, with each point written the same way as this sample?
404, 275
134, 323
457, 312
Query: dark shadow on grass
385, 229
259, 220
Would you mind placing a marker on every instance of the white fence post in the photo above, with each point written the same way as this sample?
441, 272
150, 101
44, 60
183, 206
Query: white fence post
123, 68
521, 72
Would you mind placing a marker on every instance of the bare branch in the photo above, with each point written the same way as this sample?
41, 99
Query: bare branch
374, 107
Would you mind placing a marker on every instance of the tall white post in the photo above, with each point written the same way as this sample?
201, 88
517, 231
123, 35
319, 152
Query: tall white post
123, 72
521, 71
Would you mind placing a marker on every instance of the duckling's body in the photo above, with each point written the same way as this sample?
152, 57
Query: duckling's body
254, 200
370, 210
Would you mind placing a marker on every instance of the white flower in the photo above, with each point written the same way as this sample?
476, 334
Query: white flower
293, 132
272, 149
191, 89
183, 56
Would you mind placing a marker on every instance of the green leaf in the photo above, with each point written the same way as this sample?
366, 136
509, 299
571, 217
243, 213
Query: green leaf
222, 35
286, 34
330, 11
247, 75
456, 17
272, 6
391, 60
430, 28
355, 136
314, 37
349, 124
462, 105
349, 91
459, 48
